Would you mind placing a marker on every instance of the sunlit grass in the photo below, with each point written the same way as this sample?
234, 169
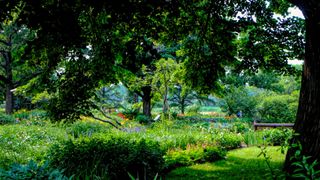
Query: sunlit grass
239, 164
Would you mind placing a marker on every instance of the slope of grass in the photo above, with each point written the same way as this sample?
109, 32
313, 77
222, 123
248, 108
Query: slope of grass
239, 164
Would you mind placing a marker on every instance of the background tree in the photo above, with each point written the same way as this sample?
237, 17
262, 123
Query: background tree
138, 64
163, 79
181, 94
14, 70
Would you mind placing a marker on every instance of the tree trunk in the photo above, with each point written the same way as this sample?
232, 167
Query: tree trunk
9, 83
9, 99
307, 124
146, 100
165, 107
182, 105
182, 108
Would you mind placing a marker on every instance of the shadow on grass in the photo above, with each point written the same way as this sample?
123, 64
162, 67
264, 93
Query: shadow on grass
237, 166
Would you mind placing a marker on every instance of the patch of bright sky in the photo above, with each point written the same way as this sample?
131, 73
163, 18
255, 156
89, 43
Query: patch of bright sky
293, 12
296, 12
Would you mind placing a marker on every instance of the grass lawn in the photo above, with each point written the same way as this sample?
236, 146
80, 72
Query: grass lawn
239, 164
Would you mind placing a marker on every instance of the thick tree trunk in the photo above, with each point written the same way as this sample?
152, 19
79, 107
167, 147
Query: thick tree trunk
146, 100
307, 124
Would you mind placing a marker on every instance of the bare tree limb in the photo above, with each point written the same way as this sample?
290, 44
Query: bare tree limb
106, 121
109, 117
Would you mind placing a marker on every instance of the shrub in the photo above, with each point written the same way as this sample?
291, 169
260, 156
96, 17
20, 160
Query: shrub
279, 109
240, 99
113, 156
213, 153
194, 109
143, 119
229, 140
6, 119
131, 112
31, 171
240, 127
267, 136
277, 136
193, 154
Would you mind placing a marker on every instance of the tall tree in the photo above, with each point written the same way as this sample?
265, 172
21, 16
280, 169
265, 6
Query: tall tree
307, 124
163, 79
138, 60
14, 68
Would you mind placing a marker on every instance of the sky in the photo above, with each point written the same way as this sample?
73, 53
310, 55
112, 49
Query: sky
296, 12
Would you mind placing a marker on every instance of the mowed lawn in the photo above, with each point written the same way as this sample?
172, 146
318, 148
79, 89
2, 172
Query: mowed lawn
239, 164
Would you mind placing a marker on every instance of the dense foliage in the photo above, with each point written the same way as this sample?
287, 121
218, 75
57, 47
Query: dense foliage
113, 157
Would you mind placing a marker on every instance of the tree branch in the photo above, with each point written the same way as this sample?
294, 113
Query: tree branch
106, 121
105, 115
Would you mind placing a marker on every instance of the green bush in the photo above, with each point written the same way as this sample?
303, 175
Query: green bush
113, 156
193, 154
193, 109
31, 171
279, 108
240, 127
277, 136
6, 119
229, 140
213, 153
131, 112
240, 99
267, 136
143, 119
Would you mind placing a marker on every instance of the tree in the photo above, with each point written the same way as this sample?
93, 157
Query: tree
163, 79
307, 124
182, 95
241, 99
15, 70
137, 68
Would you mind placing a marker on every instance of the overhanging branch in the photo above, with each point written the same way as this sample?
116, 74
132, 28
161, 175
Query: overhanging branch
109, 117
106, 121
